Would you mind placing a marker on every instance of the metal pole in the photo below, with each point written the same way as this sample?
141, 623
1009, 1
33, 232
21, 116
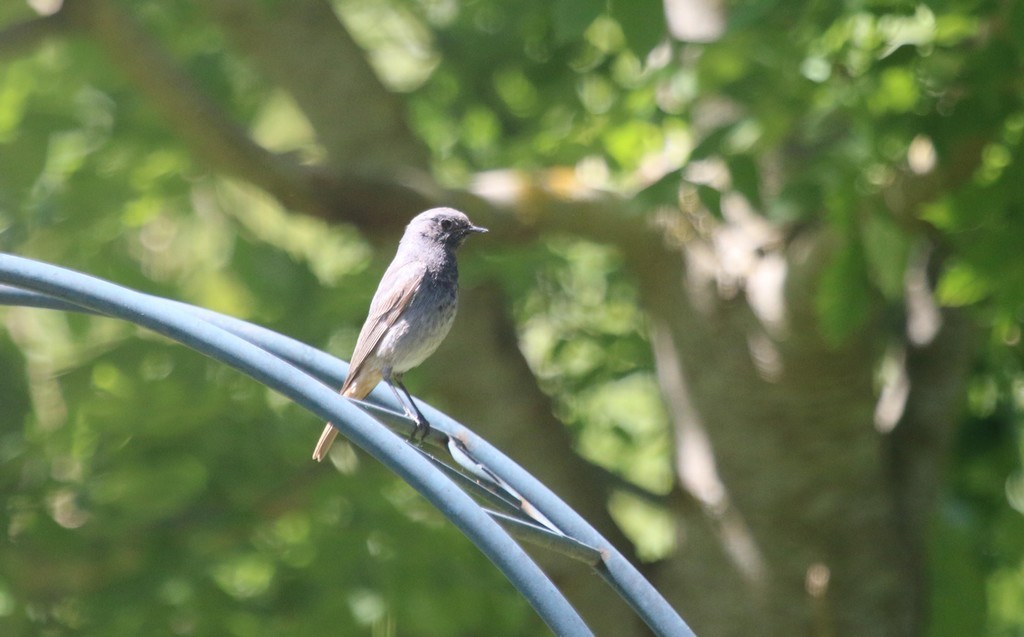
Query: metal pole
114, 301
620, 574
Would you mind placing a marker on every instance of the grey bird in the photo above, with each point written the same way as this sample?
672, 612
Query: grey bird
410, 314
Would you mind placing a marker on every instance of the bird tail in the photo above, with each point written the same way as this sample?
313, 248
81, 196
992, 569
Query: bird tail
361, 384
324, 444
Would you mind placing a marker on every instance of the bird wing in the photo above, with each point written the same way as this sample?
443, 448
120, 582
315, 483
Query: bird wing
393, 296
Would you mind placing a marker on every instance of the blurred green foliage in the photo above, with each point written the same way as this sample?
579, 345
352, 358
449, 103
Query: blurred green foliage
147, 490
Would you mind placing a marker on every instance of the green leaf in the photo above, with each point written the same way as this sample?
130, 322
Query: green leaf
664, 191
960, 285
712, 144
642, 22
711, 198
886, 248
843, 297
744, 174
630, 143
570, 18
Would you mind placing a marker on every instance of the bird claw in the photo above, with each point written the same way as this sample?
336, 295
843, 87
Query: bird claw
421, 426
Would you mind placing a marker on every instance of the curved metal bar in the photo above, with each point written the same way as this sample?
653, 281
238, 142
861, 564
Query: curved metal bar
111, 300
525, 530
620, 574
618, 571
615, 569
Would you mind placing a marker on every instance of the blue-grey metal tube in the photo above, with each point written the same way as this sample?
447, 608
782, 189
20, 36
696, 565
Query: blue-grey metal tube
112, 300
650, 605
620, 574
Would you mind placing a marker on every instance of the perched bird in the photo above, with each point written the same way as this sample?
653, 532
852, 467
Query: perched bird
411, 312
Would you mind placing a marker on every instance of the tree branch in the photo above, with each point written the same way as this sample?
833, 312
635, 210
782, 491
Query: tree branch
358, 115
220, 142
24, 37
212, 135
303, 47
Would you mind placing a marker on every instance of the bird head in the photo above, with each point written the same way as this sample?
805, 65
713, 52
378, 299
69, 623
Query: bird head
443, 226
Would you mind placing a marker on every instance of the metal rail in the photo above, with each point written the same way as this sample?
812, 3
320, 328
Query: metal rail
300, 372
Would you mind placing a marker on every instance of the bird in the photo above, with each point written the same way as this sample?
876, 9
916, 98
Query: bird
410, 314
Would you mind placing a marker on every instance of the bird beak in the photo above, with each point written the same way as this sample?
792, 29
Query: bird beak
476, 229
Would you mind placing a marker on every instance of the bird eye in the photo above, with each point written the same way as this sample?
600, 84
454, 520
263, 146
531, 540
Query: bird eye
446, 224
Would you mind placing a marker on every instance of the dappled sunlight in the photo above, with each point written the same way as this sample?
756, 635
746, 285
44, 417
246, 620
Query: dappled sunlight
895, 388
924, 316
400, 40
282, 127
329, 251
695, 462
752, 299
244, 576
695, 20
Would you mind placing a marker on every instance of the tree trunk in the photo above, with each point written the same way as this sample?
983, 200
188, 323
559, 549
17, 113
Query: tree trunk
812, 521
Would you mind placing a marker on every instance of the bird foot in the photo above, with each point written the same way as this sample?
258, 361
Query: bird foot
421, 426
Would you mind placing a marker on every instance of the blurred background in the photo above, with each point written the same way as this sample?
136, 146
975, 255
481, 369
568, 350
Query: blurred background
751, 303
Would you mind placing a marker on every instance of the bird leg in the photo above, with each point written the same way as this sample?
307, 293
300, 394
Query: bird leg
414, 414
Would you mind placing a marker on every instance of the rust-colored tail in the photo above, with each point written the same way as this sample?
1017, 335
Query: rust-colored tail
361, 385
325, 442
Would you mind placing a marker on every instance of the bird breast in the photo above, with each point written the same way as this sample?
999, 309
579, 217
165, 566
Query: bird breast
424, 324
